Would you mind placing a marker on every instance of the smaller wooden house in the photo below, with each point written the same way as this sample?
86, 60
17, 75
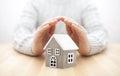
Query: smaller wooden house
60, 51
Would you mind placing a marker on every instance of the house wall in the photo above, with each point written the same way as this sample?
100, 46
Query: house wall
64, 57
53, 44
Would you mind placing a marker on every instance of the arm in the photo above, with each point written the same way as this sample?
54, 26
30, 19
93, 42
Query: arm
97, 35
24, 32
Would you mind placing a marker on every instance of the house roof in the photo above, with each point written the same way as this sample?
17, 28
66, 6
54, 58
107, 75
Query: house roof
65, 42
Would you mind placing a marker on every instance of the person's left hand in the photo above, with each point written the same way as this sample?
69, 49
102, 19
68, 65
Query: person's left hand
78, 33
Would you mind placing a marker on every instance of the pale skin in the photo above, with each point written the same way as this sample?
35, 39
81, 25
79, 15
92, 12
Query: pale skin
74, 30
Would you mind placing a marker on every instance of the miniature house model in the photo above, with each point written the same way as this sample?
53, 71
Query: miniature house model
60, 51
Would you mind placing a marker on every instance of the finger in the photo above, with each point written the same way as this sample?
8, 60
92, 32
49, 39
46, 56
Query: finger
52, 25
52, 29
50, 21
69, 24
49, 29
79, 28
73, 23
61, 18
53, 22
67, 21
74, 28
44, 29
48, 26
68, 28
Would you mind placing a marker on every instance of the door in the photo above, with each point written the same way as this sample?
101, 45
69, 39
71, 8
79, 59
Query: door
53, 61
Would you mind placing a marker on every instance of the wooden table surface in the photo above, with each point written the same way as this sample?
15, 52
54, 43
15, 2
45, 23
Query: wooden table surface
106, 63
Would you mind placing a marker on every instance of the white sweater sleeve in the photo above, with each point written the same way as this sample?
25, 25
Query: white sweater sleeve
97, 35
24, 32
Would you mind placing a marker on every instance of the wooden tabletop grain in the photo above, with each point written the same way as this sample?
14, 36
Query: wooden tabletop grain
106, 63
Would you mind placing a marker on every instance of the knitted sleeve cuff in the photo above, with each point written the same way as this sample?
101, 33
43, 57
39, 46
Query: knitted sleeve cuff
96, 45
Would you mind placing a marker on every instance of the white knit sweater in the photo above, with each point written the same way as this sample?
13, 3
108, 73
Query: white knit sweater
38, 11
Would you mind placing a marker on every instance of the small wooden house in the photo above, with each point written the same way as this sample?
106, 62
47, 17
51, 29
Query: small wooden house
60, 51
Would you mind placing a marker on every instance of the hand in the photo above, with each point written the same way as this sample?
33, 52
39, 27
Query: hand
42, 35
78, 34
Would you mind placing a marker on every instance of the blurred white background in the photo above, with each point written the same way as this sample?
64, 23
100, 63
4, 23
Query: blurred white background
11, 9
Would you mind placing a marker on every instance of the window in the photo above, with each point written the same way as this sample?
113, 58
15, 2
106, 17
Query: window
70, 58
53, 61
57, 51
49, 51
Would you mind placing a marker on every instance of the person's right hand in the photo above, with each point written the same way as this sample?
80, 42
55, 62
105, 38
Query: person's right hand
43, 34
